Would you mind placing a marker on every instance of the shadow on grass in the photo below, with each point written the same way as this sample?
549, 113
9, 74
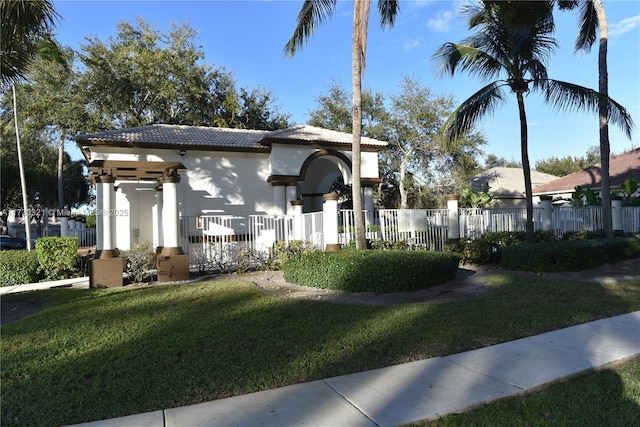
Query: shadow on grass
110, 353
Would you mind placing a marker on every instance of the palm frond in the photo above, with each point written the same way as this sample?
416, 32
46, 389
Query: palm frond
465, 57
388, 10
463, 118
571, 97
312, 14
588, 27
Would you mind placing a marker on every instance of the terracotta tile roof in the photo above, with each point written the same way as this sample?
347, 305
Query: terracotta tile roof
507, 182
179, 136
162, 136
620, 167
297, 134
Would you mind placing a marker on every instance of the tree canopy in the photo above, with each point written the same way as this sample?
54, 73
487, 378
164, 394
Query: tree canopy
415, 172
144, 76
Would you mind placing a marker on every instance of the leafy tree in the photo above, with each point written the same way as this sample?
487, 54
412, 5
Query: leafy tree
409, 121
515, 38
313, 13
562, 166
493, 161
144, 76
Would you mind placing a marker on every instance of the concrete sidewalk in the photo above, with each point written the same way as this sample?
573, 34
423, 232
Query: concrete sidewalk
419, 390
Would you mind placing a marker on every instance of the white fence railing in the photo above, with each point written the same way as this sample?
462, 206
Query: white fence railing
476, 222
423, 228
222, 237
419, 228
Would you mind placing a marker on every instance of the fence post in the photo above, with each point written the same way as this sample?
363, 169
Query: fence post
453, 216
547, 209
330, 222
296, 212
616, 214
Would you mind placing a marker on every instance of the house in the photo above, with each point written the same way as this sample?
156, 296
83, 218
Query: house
620, 168
507, 184
148, 177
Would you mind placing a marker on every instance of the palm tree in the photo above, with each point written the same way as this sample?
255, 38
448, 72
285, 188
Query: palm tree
313, 13
592, 19
25, 23
515, 38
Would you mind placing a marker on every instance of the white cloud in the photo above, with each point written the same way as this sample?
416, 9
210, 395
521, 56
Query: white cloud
411, 43
441, 23
624, 26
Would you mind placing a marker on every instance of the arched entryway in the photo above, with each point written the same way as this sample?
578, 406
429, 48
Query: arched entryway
319, 172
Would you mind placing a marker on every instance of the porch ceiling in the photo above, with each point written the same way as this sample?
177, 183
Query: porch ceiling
126, 170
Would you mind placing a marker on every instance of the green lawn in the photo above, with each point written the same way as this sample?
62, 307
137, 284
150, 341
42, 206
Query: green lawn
95, 354
604, 398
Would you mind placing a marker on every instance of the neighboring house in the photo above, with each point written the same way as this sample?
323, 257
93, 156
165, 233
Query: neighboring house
507, 184
620, 168
217, 171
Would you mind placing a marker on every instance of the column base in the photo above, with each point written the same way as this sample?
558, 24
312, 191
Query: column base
107, 253
106, 272
173, 265
333, 247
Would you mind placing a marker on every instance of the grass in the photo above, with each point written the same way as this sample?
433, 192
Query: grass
609, 397
96, 354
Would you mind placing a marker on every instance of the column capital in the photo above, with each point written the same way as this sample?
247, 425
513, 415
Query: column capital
104, 179
170, 175
330, 196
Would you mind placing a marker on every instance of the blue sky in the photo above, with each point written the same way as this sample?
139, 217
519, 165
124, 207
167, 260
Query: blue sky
248, 37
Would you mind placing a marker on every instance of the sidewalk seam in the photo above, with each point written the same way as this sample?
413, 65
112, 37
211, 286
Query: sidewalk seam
350, 403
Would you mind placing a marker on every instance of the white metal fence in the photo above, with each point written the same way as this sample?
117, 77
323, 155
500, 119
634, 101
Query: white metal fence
220, 238
424, 228
419, 228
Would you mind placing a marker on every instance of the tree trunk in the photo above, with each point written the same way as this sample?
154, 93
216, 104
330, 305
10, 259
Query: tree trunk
360, 14
603, 111
403, 190
60, 174
526, 169
23, 181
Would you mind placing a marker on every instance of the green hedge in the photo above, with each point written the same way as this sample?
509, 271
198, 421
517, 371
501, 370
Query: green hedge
371, 270
488, 248
19, 267
570, 255
57, 256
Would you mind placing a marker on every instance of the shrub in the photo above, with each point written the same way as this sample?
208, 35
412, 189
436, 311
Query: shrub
139, 262
372, 270
488, 248
57, 257
19, 267
570, 255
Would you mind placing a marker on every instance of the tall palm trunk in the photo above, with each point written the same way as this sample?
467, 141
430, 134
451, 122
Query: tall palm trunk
23, 181
359, 41
603, 111
526, 168
61, 174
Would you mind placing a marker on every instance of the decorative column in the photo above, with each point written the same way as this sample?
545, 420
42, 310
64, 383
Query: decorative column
547, 211
291, 196
105, 270
453, 216
330, 222
172, 263
279, 199
170, 215
105, 226
616, 214
158, 232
